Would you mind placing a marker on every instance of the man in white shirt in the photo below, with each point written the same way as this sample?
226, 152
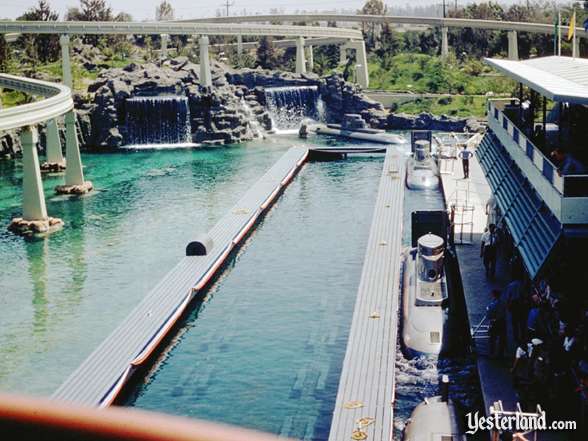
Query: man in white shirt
465, 156
488, 250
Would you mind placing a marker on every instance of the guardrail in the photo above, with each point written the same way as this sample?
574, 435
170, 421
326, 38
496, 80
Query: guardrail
58, 101
540, 28
566, 186
173, 28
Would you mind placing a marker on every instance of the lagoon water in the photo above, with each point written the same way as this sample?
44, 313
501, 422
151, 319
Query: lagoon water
265, 349
61, 296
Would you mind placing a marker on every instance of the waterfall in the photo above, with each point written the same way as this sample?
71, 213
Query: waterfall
252, 120
158, 120
288, 106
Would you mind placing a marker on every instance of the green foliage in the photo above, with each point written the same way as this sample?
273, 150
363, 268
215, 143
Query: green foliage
43, 48
267, 56
461, 106
429, 74
164, 11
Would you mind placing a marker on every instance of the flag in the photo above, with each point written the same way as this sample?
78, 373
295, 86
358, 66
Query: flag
586, 25
572, 28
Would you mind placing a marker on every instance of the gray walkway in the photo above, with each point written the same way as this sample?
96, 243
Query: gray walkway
366, 386
495, 377
103, 374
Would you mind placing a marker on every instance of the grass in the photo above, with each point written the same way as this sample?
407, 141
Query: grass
460, 106
11, 98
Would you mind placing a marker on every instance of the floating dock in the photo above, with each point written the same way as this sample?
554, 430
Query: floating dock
102, 376
365, 398
495, 378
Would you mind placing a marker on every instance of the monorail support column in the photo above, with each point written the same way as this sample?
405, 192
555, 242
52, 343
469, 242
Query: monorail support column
444, 43
361, 66
74, 173
343, 54
55, 162
205, 75
74, 176
65, 62
300, 59
34, 220
239, 47
513, 45
310, 59
164, 41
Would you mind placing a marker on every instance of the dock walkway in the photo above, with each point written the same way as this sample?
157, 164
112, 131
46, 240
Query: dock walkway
495, 378
104, 373
366, 388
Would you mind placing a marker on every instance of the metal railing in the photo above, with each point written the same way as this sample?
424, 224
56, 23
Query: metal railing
567, 185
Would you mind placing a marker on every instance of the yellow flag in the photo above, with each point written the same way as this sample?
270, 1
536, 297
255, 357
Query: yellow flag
572, 28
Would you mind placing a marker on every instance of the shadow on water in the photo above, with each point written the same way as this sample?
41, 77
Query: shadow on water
418, 378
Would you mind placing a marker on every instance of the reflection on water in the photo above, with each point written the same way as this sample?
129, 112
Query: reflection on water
266, 347
62, 295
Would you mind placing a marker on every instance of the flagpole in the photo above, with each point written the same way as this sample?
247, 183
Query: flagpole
574, 49
559, 33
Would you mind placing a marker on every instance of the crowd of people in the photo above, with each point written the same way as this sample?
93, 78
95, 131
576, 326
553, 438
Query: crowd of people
550, 332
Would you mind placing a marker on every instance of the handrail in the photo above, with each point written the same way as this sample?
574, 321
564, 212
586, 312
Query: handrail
172, 28
57, 102
28, 418
523, 141
541, 28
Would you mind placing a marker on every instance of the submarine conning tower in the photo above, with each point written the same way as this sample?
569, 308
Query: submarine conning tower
430, 257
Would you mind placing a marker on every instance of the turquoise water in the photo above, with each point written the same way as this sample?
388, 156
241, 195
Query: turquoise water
60, 297
265, 349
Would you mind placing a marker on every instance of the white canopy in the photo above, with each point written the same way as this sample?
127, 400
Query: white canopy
557, 78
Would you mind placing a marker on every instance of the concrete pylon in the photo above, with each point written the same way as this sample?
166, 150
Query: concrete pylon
54, 153
33, 206
576, 47
361, 67
444, 43
300, 58
310, 59
205, 75
513, 45
74, 174
239, 46
343, 54
34, 220
65, 61
164, 42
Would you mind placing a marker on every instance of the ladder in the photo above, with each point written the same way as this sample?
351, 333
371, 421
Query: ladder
497, 409
462, 213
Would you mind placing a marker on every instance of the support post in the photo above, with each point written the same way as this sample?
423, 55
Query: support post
343, 54
164, 41
33, 205
575, 47
65, 61
310, 59
513, 45
444, 43
54, 154
361, 66
74, 174
300, 59
205, 75
239, 46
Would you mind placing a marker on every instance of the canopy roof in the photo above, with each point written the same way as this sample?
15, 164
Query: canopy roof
557, 78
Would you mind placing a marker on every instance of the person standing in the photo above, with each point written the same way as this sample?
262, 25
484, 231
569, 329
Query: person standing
488, 250
496, 313
465, 156
517, 306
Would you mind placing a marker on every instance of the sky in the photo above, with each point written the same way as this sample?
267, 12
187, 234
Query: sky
145, 9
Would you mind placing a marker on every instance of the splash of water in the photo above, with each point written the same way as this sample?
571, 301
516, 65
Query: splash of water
289, 106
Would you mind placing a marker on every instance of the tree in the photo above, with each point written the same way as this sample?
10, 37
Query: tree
267, 57
42, 48
97, 10
373, 7
3, 54
164, 11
